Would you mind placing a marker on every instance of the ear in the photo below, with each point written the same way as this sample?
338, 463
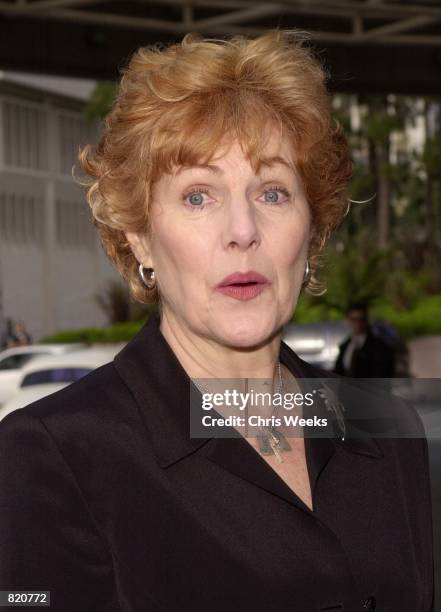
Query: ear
140, 245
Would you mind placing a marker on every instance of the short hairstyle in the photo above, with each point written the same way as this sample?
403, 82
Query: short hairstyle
176, 103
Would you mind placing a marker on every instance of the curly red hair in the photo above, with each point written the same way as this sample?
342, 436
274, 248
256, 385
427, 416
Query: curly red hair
176, 104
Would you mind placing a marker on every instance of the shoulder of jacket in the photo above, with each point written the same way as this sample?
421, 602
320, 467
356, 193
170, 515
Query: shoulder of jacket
97, 398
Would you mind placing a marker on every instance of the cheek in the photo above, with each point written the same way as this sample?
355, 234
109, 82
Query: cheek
293, 245
179, 254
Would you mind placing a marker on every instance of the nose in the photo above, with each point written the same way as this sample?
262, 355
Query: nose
241, 226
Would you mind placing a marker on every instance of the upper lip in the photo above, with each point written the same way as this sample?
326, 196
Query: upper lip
243, 277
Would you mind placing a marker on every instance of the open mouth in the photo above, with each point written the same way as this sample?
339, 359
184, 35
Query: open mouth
243, 290
244, 281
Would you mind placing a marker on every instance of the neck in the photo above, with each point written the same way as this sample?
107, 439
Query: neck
203, 357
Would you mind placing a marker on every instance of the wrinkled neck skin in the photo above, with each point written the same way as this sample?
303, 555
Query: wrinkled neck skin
216, 368
204, 357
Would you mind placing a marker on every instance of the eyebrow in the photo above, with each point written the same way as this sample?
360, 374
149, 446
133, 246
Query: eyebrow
266, 161
272, 161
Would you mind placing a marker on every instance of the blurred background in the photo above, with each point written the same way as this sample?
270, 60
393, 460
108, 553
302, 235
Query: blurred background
64, 310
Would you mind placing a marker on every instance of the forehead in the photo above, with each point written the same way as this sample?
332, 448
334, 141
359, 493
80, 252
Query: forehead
276, 151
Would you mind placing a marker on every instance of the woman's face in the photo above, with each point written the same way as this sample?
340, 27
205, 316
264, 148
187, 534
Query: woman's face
213, 221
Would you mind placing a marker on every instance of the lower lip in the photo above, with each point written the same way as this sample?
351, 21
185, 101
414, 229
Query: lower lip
243, 292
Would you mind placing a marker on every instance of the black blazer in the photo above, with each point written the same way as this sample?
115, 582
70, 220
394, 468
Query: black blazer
107, 502
375, 359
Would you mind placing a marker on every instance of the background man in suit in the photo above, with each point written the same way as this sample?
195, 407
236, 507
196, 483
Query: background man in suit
364, 354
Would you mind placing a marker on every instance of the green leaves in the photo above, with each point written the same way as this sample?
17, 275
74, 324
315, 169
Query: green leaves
431, 157
101, 100
355, 276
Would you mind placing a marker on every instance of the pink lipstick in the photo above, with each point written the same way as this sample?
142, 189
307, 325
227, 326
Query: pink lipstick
243, 285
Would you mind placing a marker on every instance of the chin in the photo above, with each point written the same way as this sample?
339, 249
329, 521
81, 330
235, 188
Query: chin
246, 331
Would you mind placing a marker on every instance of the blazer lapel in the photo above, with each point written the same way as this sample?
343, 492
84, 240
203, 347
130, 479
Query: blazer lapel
238, 457
161, 388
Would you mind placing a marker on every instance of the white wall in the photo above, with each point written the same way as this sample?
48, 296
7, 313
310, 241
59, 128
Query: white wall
51, 262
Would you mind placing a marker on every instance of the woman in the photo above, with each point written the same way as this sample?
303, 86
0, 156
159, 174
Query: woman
216, 182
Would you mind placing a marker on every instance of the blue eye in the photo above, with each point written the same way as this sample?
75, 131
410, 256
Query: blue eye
194, 199
272, 195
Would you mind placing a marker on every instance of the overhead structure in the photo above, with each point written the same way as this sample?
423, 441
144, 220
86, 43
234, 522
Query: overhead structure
368, 45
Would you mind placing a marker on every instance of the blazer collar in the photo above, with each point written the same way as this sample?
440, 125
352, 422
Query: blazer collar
161, 388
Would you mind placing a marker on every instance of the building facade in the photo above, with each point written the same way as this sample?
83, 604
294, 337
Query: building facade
52, 265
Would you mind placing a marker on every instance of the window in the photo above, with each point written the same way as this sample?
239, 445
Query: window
74, 224
54, 375
21, 218
73, 132
25, 136
14, 362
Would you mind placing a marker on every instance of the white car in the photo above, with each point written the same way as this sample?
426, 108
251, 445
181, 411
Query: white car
46, 374
13, 359
318, 343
